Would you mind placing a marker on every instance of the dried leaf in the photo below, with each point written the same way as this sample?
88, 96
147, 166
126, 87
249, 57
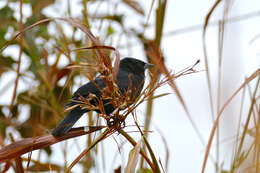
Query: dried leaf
133, 158
18, 148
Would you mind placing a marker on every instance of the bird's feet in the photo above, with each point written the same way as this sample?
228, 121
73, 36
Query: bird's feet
116, 121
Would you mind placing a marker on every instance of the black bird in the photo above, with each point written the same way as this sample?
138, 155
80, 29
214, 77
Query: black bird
130, 76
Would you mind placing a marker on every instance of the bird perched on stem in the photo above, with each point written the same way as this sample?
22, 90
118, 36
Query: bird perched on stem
97, 95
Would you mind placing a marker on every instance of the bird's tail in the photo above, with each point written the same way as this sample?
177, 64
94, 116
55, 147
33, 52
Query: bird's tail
66, 124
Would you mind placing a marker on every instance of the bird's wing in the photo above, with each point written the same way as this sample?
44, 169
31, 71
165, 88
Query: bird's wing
74, 115
90, 87
123, 81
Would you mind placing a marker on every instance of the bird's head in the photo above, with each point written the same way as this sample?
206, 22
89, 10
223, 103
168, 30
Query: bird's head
134, 65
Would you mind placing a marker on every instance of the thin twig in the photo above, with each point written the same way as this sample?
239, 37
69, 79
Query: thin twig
19, 59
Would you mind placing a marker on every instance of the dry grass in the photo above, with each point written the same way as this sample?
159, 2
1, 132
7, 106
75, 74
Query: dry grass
46, 100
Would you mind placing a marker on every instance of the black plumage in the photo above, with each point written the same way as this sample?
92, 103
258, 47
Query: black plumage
130, 76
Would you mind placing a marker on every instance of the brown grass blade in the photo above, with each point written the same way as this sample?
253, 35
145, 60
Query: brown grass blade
23, 146
18, 160
206, 55
105, 134
93, 39
247, 80
117, 61
25, 29
135, 5
132, 141
74, 23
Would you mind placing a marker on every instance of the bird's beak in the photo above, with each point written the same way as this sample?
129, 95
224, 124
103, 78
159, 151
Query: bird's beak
148, 65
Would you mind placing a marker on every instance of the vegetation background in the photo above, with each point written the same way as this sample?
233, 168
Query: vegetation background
200, 119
